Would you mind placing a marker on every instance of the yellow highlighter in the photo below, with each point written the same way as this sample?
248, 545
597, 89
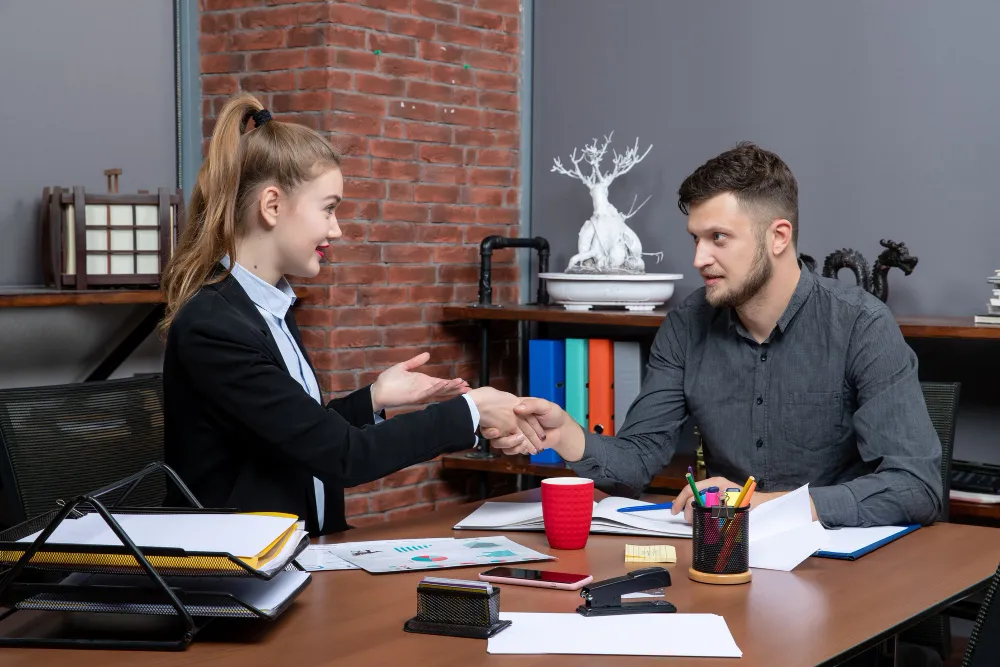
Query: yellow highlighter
743, 492
732, 493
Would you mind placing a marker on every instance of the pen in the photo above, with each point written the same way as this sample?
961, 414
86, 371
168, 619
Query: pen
643, 508
694, 490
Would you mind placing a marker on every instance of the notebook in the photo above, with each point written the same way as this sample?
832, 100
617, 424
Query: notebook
853, 543
606, 519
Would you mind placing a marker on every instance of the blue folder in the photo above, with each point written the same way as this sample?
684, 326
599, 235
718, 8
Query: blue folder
547, 379
868, 548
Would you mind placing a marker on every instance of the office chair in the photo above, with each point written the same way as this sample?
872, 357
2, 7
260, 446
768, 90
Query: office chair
942, 405
57, 442
983, 649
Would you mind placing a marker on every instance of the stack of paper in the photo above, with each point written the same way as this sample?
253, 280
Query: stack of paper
266, 596
606, 519
689, 635
259, 540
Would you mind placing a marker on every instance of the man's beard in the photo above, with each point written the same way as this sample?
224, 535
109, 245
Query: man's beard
760, 273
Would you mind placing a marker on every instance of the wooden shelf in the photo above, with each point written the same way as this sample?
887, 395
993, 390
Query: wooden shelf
671, 477
911, 326
35, 297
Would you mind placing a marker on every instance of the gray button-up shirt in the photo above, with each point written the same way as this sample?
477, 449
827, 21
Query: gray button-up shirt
831, 399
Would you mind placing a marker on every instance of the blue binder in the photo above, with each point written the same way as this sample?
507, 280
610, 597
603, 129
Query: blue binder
547, 379
868, 548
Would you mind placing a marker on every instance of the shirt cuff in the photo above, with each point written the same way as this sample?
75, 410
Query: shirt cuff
591, 463
835, 506
378, 418
473, 410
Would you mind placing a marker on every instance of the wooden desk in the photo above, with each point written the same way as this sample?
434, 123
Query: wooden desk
823, 609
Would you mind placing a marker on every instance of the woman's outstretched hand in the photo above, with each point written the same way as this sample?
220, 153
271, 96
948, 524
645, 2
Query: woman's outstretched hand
400, 385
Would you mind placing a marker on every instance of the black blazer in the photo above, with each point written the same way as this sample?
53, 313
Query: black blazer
241, 432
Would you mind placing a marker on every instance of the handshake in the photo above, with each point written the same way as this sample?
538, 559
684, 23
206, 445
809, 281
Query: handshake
526, 425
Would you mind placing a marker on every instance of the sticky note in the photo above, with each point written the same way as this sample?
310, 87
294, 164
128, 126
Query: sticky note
652, 553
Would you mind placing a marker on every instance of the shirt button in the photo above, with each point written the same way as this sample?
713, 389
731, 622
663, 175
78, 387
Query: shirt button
760, 400
760, 442
763, 356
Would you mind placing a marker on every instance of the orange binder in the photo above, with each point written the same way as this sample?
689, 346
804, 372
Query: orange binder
601, 359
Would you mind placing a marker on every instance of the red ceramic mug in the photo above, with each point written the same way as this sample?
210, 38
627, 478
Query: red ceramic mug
567, 509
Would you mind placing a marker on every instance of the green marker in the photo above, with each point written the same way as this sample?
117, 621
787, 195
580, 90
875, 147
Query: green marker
694, 490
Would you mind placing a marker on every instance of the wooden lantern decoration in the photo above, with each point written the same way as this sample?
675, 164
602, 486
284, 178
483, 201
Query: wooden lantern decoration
108, 240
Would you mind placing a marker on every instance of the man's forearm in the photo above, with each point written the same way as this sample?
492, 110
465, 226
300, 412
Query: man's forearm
628, 461
881, 499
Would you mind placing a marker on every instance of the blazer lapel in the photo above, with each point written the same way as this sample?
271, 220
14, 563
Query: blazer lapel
294, 328
231, 290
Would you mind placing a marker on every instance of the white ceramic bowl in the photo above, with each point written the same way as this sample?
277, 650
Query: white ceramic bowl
581, 291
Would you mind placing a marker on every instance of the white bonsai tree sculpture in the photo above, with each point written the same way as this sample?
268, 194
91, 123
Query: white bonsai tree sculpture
606, 243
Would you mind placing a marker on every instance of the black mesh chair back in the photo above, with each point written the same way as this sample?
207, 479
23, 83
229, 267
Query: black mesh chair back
57, 442
983, 649
942, 405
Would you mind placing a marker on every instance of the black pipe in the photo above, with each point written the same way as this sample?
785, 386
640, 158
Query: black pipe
491, 243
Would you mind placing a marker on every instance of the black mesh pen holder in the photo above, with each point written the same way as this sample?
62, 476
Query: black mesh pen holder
457, 613
720, 545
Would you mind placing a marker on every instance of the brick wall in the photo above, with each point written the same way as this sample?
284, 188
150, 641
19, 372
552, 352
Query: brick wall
421, 96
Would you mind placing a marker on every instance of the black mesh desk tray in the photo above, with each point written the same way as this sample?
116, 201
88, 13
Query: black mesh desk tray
125, 579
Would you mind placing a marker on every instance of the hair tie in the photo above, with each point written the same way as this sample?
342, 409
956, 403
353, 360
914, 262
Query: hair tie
261, 117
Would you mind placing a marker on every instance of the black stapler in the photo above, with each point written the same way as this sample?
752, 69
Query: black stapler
604, 598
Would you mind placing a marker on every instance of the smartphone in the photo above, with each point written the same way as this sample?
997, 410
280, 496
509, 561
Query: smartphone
514, 575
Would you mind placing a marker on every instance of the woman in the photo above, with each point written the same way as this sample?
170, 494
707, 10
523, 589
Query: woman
245, 427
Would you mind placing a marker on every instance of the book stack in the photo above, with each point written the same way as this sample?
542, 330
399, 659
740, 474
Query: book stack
595, 380
992, 315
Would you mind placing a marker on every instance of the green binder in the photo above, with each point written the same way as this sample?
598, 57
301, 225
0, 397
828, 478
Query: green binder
577, 376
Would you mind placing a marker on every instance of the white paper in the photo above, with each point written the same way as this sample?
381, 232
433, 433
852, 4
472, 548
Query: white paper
280, 561
849, 540
694, 635
408, 555
783, 533
606, 519
783, 551
265, 595
242, 535
317, 557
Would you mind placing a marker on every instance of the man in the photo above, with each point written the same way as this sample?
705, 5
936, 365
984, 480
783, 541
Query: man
790, 377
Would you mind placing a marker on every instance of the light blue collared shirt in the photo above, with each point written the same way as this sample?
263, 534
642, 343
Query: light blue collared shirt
273, 302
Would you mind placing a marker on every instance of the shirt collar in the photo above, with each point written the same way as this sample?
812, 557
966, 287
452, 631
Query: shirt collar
799, 296
275, 299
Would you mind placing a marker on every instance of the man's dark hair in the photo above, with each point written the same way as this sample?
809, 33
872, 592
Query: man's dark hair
761, 181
